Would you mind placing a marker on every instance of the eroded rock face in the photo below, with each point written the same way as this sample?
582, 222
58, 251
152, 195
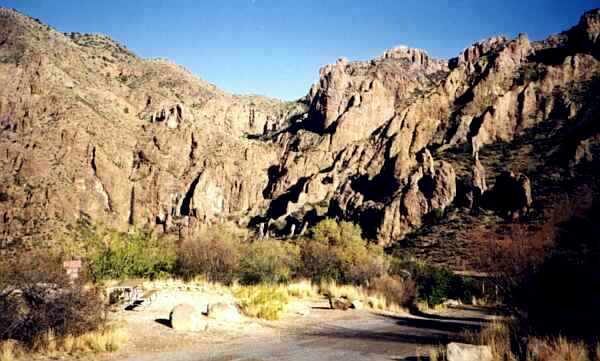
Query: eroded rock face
129, 142
473, 53
428, 190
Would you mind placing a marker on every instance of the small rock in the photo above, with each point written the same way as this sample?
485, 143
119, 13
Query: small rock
338, 303
452, 303
465, 352
224, 312
185, 317
357, 305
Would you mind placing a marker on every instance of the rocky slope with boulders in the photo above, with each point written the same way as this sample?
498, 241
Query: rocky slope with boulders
403, 144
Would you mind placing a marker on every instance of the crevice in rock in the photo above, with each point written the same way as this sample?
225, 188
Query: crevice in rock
185, 209
93, 161
278, 206
131, 218
475, 125
427, 186
274, 173
103, 190
378, 188
193, 146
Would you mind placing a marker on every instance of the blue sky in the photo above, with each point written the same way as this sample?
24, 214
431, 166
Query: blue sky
276, 47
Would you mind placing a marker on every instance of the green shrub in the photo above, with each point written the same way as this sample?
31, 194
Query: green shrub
395, 290
337, 252
268, 261
437, 284
266, 302
215, 255
434, 284
135, 254
320, 262
332, 233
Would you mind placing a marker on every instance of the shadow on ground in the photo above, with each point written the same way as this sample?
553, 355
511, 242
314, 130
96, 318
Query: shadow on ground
481, 320
163, 321
429, 330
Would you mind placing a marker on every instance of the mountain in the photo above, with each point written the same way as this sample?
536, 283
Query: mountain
421, 152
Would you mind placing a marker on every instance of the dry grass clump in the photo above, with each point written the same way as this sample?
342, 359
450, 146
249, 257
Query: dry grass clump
302, 289
437, 353
10, 351
425, 307
48, 344
497, 335
106, 339
396, 292
335, 290
262, 301
557, 349
380, 296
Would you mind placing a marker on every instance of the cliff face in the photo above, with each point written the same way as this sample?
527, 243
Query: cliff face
368, 149
89, 130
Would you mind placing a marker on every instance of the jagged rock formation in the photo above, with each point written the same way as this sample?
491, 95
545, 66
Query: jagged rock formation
372, 126
91, 131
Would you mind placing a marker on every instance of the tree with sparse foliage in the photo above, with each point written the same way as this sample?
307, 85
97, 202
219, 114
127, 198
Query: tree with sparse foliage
337, 251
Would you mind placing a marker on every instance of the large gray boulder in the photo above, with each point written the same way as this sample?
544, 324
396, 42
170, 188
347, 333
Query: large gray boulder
185, 317
465, 352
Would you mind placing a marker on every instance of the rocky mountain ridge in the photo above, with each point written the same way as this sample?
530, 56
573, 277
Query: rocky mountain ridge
89, 131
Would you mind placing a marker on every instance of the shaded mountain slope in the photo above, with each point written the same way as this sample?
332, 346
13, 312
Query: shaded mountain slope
403, 144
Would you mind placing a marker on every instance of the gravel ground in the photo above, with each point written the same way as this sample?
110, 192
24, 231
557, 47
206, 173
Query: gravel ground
324, 334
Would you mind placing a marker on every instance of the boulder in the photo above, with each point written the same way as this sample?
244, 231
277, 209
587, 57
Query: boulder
226, 312
339, 303
357, 305
471, 188
464, 352
185, 317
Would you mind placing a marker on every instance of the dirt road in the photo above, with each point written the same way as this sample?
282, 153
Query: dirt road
326, 335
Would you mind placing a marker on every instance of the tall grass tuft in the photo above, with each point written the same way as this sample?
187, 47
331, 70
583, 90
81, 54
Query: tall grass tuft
10, 351
267, 302
302, 289
497, 335
557, 349
437, 354
380, 296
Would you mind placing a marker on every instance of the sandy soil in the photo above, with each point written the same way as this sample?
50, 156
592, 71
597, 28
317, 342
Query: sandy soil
323, 334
